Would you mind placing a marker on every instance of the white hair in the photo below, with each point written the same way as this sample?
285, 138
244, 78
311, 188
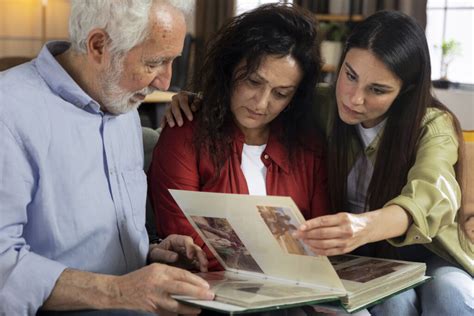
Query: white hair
125, 21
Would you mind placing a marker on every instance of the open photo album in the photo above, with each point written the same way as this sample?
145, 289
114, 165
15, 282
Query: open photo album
267, 268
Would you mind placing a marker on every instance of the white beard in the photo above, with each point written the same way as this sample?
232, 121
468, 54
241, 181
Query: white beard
114, 99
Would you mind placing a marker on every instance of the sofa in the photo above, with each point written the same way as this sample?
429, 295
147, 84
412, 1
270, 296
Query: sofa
150, 137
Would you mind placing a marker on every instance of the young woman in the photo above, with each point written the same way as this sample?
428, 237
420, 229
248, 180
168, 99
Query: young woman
395, 162
252, 135
394, 167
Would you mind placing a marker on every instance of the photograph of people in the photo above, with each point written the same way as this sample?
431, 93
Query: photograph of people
368, 270
282, 225
225, 241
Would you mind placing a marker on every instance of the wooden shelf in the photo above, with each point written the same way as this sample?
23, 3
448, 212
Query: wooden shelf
339, 18
159, 97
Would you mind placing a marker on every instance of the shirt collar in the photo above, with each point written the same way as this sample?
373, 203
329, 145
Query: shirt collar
370, 137
275, 150
371, 148
59, 80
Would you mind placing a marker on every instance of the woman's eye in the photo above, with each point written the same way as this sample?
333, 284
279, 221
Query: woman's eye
281, 95
350, 76
377, 91
253, 82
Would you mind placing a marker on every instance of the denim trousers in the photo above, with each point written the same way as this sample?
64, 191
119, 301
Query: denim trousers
450, 292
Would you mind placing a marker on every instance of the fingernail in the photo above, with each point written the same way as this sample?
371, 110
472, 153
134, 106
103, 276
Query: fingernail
303, 227
210, 295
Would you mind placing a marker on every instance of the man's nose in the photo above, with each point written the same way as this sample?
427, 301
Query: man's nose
163, 78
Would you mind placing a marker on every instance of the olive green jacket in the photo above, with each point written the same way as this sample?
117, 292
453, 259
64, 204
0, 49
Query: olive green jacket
431, 195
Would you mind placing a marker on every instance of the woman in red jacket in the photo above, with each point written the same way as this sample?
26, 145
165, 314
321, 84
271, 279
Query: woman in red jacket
253, 134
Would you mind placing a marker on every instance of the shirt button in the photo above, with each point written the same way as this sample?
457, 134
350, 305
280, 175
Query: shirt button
417, 237
266, 157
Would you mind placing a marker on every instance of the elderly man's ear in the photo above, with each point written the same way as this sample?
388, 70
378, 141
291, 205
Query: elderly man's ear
96, 46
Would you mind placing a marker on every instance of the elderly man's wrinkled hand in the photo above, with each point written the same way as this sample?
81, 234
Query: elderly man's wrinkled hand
150, 289
180, 251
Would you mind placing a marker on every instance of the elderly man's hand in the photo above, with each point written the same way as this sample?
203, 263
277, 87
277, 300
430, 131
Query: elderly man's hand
150, 289
180, 251
183, 102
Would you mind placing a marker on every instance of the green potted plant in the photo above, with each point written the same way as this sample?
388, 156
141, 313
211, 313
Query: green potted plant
333, 35
449, 50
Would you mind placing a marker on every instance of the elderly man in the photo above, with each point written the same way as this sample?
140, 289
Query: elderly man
72, 188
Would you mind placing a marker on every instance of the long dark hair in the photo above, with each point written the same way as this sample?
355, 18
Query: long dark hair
400, 43
275, 29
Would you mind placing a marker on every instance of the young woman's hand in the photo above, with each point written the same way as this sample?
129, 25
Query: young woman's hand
183, 102
336, 234
343, 232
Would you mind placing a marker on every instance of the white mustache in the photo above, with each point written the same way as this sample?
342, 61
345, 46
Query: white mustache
147, 90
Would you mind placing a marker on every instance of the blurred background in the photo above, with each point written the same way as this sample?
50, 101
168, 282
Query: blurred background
25, 25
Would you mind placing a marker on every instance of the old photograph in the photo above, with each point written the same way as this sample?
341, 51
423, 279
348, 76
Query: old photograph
220, 234
282, 224
341, 259
368, 270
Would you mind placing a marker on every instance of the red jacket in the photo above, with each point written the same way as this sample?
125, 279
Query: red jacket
176, 165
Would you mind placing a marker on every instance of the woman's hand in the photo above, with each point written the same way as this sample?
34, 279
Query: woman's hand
343, 232
335, 234
183, 102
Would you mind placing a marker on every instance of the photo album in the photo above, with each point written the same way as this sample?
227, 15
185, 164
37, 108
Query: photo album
267, 268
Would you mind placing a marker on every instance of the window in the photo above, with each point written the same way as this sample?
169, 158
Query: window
451, 20
245, 5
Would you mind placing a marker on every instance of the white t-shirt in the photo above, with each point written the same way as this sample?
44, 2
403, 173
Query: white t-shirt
253, 168
360, 175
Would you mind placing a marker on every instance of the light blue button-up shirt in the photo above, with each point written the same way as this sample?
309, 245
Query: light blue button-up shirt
72, 186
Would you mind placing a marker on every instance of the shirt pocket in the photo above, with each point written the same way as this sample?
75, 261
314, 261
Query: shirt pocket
136, 186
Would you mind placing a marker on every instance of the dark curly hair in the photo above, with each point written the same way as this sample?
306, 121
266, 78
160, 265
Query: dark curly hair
274, 29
